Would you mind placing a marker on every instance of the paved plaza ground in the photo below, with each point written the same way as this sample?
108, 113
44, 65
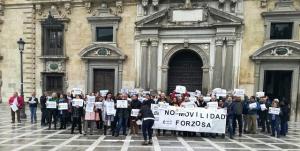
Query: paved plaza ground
31, 137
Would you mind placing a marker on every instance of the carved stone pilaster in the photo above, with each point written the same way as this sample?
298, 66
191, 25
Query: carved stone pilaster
218, 65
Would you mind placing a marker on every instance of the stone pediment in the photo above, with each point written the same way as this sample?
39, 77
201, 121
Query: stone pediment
207, 16
102, 52
281, 50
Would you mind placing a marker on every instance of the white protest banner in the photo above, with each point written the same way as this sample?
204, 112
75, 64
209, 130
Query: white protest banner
221, 93
51, 105
155, 111
91, 98
198, 93
62, 106
110, 108
191, 119
253, 105
77, 102
32, 101
14, 107
180, 89
263, 107
273, 110
193, 99
260, 94
103, 92
239, 92
188, 104
146, 92
192, 94
77, 91
124, 90
99, 105
206, 99
122, 104
135, 112
212, 105
90, 107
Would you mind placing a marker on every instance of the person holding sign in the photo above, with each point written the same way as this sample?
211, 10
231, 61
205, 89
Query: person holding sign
16, 103
135, 108
263, 115
163, 101
63, 110
108, 113
33, 101
52, 110
77, 113
90, 114
252, 108
122, 114
238, 110
275, 118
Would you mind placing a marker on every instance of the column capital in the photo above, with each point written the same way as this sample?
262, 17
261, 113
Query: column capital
231, 40
154, 42
219, 41
144, 43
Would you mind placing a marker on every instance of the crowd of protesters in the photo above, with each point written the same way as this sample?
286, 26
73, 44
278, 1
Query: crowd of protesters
239, 114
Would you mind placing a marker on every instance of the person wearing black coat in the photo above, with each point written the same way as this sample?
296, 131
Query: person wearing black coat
264, 116
147, 117
33, 101
284, 116
77, 113
44, 116
135, 105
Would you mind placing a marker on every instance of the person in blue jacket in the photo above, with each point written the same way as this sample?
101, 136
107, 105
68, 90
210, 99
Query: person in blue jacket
275, 119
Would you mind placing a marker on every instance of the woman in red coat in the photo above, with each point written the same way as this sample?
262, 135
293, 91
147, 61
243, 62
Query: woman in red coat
16, 103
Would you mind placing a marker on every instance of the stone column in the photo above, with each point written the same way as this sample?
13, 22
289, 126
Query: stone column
144, 64
229, 66
153, 64
164, 79
205, 79
217, 75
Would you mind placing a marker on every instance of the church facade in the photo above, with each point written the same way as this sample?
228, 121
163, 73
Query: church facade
153, 45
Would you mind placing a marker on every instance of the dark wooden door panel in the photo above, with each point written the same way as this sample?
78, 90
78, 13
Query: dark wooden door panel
185, 68
104, 79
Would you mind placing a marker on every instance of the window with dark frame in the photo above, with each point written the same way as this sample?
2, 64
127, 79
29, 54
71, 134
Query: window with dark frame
281, 30
104, 34
53, 83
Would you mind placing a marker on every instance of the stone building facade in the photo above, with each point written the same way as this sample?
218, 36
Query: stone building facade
152, 44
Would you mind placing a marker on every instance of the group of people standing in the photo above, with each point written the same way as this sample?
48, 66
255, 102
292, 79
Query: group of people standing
242, 113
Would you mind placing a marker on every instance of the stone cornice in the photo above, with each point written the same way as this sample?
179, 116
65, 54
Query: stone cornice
281, 13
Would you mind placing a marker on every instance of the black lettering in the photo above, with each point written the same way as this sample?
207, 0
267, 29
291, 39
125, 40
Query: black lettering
188, 123
208, 125
212, 116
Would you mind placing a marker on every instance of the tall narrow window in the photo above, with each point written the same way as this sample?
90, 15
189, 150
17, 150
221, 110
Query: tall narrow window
53, 82
104, 34
281, 30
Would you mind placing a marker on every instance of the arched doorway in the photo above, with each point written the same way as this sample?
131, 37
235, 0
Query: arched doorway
185, 68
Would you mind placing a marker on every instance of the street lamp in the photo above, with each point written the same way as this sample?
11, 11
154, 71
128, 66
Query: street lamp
21, 44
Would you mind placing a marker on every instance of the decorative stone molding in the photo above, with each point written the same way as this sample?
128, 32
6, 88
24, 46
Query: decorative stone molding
145, 3
119, 6
1, 7
263, 3
58, 10
55, 66
155, 3
67, 7
282, 51
88, 6
219, 41
154, 42
144, 43
38, 9
188, 4
230, 41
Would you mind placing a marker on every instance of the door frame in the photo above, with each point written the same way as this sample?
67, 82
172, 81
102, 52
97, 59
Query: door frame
283, 66
102, 70
92, 65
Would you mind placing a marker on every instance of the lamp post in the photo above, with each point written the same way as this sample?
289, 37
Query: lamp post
21, 44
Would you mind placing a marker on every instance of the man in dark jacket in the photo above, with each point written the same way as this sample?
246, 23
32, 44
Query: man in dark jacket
122, 114
43, 100
263, 115
237, 106
147, 117
230, 114
135, 105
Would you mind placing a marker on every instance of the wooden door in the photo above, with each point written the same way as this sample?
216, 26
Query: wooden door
104, 79
185, 68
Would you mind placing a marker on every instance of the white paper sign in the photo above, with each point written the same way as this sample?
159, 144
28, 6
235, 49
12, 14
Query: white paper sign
103, 92
122, 104
193, 99
99, 105
273, 110
32, 102
139, 122
135, 112
263, 107
206, 99
90, 107
51, 105
260, 94
253, 105
91, 98
212, 105
77, 91
188, 105
239, 92
221, 93
110, 108
146, 92
62, 106
180, 89
14, 107
77, 102
198, 93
